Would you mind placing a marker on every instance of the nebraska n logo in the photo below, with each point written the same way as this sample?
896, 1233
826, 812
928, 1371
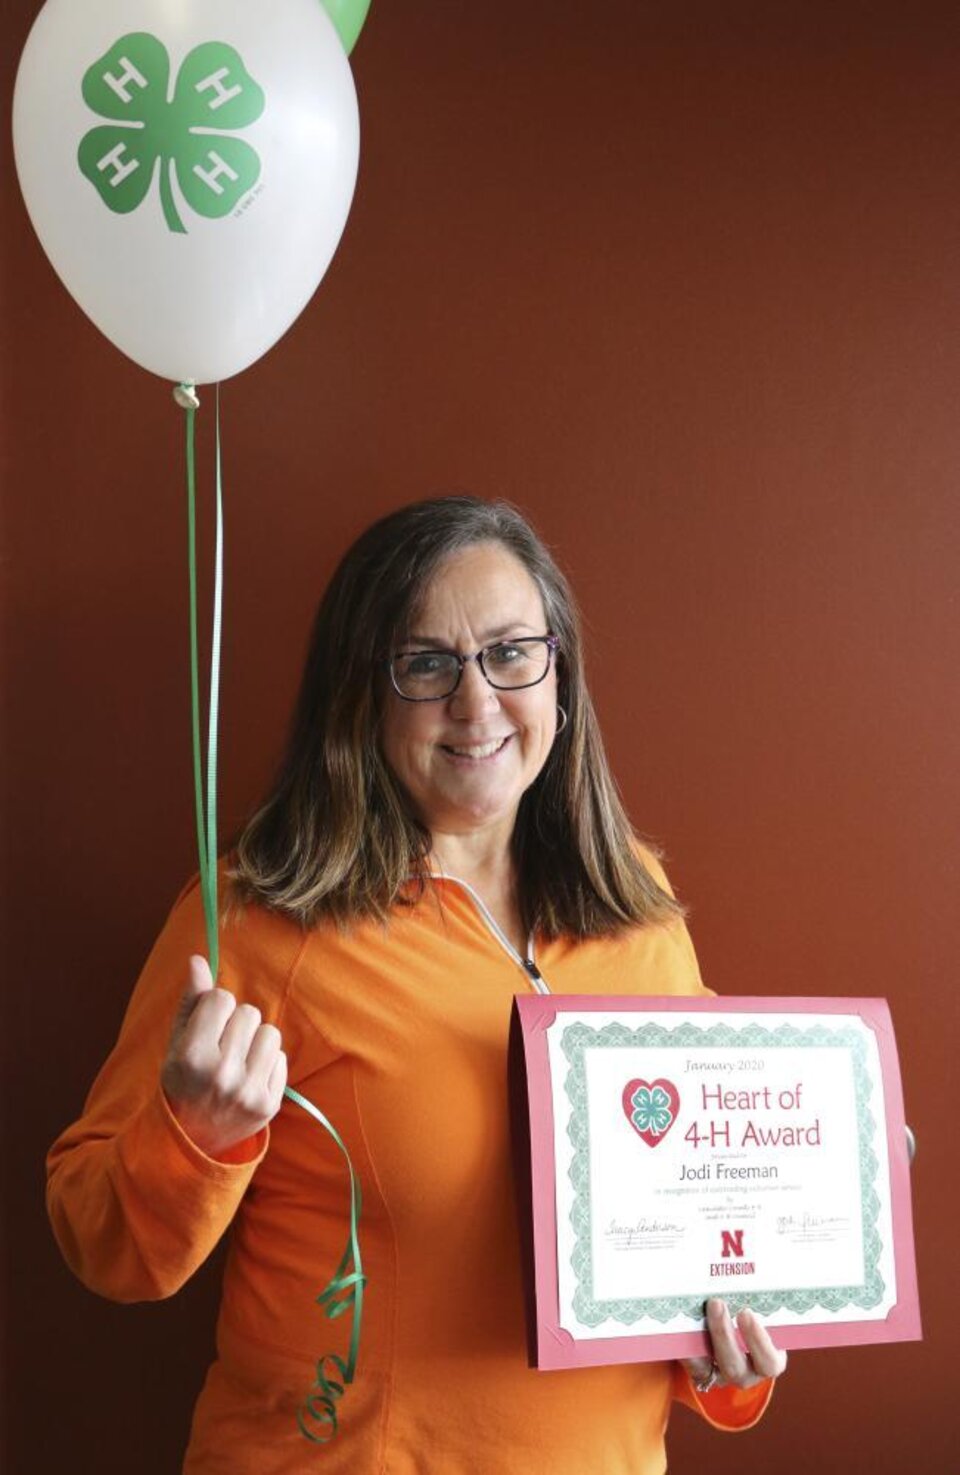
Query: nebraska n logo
731, 1243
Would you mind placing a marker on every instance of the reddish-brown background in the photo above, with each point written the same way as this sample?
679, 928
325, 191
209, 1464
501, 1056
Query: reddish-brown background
681, 279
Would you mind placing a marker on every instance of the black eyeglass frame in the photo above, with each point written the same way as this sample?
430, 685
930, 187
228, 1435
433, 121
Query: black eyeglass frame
552, 642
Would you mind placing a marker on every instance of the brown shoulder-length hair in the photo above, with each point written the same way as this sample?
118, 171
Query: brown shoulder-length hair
336, 838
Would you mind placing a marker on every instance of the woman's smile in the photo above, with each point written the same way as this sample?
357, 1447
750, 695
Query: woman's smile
477, 752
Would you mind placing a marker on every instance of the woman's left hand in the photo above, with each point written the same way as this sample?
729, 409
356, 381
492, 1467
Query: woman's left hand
735, 1365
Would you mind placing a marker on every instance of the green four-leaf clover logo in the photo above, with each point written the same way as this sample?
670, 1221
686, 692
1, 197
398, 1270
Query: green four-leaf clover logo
189, 135
651, 1110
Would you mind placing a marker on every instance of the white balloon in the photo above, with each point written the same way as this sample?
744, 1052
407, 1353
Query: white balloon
191, 208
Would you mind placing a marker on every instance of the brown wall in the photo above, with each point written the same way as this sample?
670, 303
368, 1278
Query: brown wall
682, 279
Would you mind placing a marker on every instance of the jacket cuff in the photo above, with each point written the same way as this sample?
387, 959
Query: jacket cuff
729, 1409
246, 1154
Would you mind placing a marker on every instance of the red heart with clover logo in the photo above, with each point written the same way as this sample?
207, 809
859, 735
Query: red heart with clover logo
651, 1108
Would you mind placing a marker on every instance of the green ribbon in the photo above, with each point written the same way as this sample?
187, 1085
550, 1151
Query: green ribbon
343, 1292
205, 786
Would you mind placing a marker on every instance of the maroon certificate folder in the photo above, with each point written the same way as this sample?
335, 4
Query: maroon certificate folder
671, 1149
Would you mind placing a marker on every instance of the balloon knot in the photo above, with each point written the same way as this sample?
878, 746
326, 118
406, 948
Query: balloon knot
185, 395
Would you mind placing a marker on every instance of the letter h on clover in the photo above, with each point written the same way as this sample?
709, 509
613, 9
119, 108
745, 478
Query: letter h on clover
188, 134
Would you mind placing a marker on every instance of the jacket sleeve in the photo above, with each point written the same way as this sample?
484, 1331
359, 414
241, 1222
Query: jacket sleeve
728, 1409
135, 1205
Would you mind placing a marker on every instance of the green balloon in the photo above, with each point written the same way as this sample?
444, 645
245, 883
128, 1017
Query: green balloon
348, 16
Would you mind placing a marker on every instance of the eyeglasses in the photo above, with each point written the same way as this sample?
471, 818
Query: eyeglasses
509, 665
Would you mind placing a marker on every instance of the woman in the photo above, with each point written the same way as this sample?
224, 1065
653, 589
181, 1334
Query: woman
443, 833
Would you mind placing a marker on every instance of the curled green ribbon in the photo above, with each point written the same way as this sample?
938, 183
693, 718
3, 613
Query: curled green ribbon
343, 1292
317, 1419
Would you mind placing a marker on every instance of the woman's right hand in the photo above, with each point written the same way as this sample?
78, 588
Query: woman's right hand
225, 1071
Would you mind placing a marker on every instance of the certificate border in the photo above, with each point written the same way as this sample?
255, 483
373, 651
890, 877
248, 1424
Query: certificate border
550, 1344
578, 1038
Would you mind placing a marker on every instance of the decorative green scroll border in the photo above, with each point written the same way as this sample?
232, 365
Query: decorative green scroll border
577, 1038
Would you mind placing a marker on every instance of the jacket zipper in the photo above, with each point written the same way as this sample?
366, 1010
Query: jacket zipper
535, 977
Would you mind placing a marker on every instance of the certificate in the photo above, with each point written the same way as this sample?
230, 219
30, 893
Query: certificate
672, 1149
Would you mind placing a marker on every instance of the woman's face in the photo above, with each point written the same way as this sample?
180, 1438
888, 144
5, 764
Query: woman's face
466, 760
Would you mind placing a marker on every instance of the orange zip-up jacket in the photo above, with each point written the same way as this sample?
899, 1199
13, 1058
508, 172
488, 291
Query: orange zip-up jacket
399, 1035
